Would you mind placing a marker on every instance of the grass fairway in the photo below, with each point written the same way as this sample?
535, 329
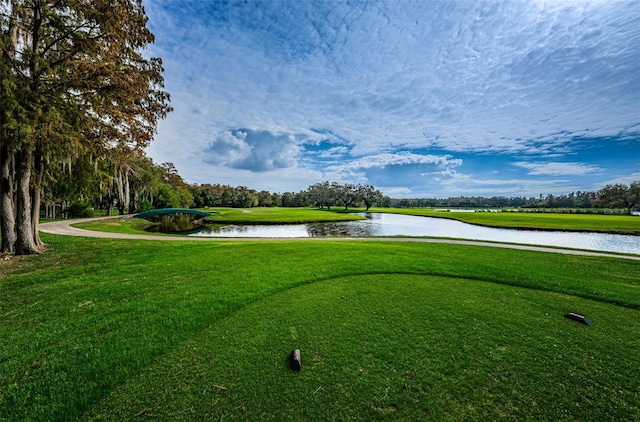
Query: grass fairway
277, 215
126, 225
395, 347
111, 329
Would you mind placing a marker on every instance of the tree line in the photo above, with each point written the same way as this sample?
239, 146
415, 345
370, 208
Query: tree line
613, 196
324, 194
618, 197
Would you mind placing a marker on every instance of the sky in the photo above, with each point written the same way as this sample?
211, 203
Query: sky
420, 99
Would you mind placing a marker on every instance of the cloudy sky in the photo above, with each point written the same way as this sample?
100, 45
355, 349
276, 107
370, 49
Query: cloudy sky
421, 99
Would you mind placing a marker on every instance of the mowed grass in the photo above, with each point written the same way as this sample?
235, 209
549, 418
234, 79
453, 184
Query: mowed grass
622, 224
277, 215
395, 347
126, 225
111, 329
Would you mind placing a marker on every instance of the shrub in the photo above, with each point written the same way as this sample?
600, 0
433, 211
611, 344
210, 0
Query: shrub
80, 209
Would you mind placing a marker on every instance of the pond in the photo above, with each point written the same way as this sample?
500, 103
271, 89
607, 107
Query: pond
378, 224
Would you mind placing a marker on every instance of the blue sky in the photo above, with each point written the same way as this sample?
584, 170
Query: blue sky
421, 99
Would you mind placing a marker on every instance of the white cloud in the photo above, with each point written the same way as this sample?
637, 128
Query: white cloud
557, 169
256, 151
515, 79
228, 148
400, 158
624, 180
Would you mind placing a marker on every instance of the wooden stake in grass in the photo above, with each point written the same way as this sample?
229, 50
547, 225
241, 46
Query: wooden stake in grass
579, 318
296, 363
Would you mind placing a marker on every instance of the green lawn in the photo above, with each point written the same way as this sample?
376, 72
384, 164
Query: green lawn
395, 347
111, 329
125, 225
276, 215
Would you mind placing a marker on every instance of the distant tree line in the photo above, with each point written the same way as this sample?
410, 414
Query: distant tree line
617, 196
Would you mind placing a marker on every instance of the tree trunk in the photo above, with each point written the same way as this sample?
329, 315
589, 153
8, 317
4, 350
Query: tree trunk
7, 203
134, 202
120, 183
109, 205
25, 244
36, 199
127, 193
7, 212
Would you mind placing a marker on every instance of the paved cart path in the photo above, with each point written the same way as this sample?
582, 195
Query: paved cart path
64, 227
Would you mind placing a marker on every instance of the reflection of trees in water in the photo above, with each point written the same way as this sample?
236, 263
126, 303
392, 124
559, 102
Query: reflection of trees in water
359, 228
225, 230
348, 228
174, 223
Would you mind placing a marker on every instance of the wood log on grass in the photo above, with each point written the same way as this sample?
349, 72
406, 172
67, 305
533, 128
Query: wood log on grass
296, 363
578, 317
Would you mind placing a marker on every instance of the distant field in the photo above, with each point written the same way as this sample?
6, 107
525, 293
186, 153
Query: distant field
101, 329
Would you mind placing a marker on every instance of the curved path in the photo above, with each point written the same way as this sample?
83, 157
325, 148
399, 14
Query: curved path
63, 227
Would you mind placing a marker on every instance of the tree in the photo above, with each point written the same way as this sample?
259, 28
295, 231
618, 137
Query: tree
347, 194
265, 199
369, 195
620, 196
202, 196
73, 81
144, 182
324, 194
276, 199
180, 195
288, 199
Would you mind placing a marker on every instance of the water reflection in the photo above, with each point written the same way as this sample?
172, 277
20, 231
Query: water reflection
405, 225
347, 228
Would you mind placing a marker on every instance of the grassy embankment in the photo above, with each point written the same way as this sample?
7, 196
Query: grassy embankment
119, 329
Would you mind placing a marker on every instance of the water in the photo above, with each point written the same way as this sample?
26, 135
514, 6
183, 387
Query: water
406, 225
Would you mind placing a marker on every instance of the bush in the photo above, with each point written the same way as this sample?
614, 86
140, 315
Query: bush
80, 209
144, 205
